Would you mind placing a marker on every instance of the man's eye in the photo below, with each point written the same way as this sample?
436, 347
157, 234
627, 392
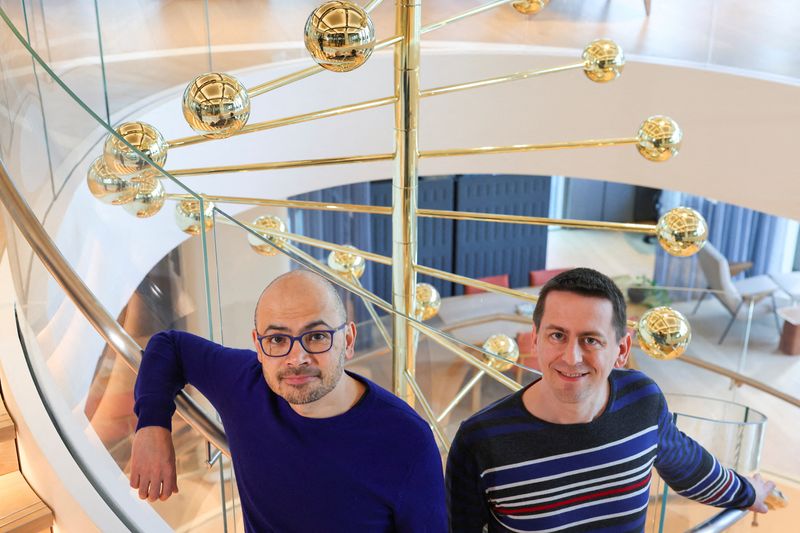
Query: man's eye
317, 336
591, 341
556, 335
277, 340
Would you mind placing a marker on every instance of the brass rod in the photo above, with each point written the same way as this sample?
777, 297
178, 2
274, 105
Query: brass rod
458, 397
282, 164
385, 157
426, 407
466, 356
499, 79
463, 280
277, 83
325, 245
591, 143
405, 178
465, 14
288, 121
373, 314
648, 229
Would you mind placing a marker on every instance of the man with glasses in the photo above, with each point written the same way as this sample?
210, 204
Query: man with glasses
315, 448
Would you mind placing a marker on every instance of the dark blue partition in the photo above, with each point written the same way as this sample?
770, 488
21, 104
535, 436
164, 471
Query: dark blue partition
487, 248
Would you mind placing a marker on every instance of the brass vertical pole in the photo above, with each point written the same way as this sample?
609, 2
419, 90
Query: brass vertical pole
404, 191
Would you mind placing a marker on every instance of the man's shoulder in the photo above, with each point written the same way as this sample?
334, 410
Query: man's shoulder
508, 407
631, 379
390, 409
192, 342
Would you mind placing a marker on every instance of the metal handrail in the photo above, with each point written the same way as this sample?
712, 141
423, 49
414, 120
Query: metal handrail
106, 326
720, 521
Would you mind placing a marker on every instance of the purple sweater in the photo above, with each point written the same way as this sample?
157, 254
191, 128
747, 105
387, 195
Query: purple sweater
374, 468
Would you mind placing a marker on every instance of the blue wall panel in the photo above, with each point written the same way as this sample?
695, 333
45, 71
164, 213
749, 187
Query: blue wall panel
488, 249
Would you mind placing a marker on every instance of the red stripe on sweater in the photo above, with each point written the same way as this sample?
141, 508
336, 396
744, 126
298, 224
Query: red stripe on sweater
576, 499
721, 491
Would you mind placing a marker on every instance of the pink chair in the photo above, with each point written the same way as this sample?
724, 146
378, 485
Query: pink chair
526, 357
538, 278
500, 280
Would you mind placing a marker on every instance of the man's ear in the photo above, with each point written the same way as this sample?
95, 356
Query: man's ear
349, 340
624, 351
257, 346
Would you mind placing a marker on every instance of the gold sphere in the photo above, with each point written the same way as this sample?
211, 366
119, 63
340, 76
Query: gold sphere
216, 105
108, 187
148, 140
530, 7
603, 60
266, 222
346, 262
428, 301
659, 138
188, 218
339, 36
682, 231
149, 198
664, 333
505, 347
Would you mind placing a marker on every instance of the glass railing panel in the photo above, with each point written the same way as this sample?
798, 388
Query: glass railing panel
23, 146
149, 48
733, 433
65, 37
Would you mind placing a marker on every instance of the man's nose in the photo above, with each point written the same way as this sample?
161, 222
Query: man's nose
573, 353
297, 355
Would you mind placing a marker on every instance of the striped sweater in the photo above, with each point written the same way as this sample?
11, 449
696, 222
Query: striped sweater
514, 472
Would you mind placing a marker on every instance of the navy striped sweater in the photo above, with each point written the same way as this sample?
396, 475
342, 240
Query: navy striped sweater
514, 472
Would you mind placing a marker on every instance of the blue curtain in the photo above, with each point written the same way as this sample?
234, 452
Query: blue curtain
740, 234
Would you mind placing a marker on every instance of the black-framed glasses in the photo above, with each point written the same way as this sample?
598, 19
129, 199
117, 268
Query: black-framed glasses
314, 342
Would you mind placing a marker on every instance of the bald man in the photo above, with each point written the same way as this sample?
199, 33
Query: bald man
315, 448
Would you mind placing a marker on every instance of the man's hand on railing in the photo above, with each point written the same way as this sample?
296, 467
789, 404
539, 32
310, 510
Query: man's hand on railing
763, 488
153, 464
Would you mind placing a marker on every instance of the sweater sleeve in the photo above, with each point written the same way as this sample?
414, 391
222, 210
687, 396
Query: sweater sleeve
693, 472
466, 504
422, 505
170, 361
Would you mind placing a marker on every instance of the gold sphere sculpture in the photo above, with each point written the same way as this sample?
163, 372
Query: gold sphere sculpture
216, 105
148, 140
428, 301
149, 198
659, 138
530, 7
266, 222
347, 262
108, 187
189, 219
339, 36
682, 231
603, 60
664, 333
505, 347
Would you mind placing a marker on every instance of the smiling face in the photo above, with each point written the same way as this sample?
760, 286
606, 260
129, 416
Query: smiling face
293, 305
577, 347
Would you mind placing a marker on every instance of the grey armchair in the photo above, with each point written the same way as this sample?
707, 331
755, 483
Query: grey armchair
733, 295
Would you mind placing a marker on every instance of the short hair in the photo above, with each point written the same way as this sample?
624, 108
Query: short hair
586, 282
327, 287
